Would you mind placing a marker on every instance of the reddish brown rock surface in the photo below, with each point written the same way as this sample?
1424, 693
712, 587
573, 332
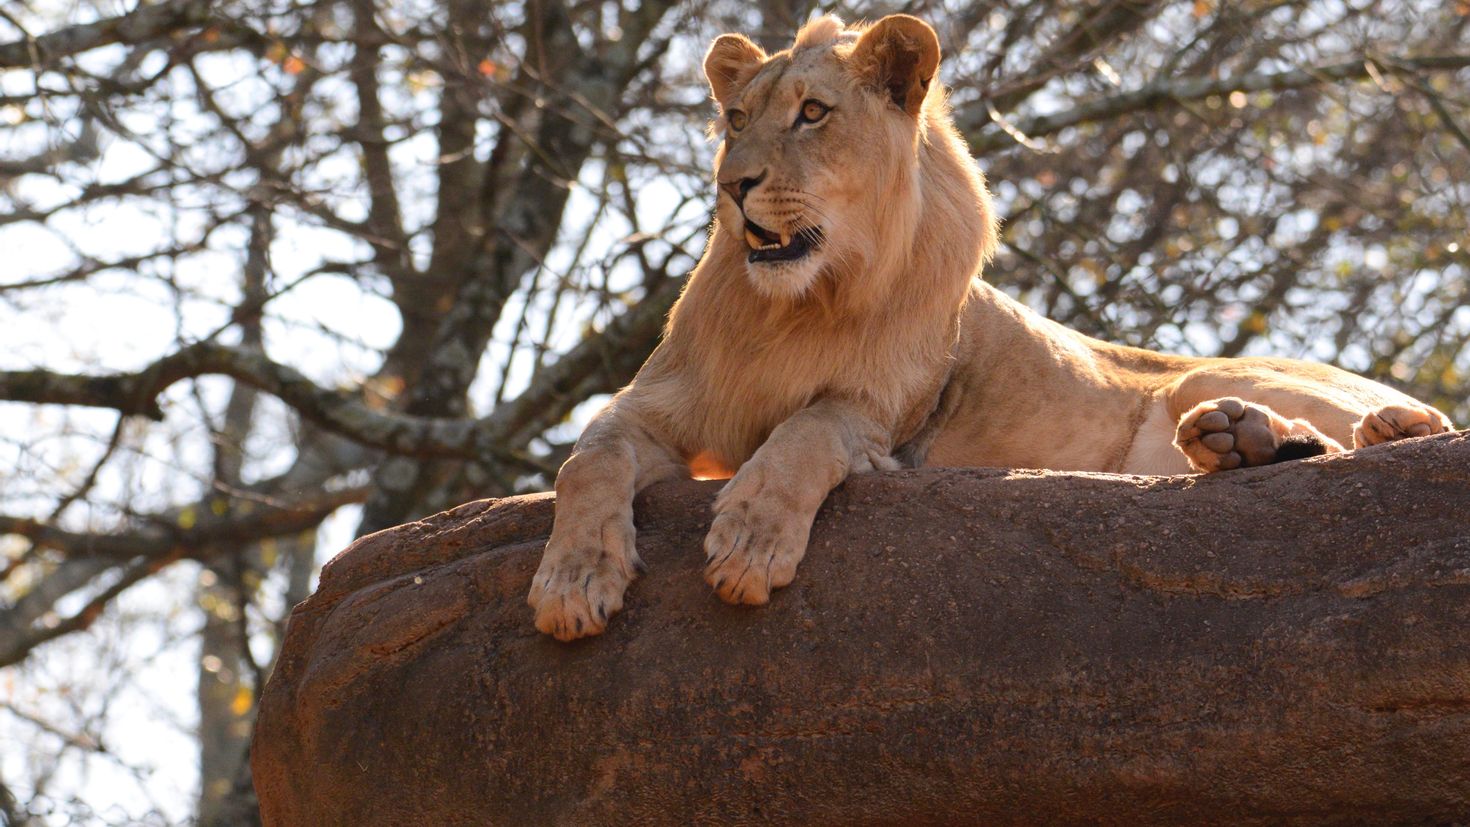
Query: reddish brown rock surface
1281, 644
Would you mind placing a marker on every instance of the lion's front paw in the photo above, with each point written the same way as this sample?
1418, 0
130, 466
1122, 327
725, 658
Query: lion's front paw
1230, 433
1393, 422
578, 587
753, 546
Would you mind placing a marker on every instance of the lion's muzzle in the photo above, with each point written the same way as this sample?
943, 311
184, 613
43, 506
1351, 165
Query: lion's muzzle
767, 246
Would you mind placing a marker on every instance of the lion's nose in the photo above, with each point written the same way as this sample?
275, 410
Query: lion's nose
738, 188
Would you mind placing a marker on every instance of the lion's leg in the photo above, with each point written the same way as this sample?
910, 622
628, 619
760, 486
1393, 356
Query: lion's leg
1229, 432
1392, 422
764, 514
591, 558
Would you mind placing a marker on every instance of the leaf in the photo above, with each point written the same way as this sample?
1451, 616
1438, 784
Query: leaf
242, 702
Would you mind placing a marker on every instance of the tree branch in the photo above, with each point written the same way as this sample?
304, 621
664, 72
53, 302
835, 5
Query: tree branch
247, 521
604, 360
147, 22
1098, 28
136, 393
149, 549
17, 647
1178, 90
597, 364
523, 234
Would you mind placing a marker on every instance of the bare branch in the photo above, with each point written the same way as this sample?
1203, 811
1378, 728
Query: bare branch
122, 392
246, 521
1178, 90
147, 22
606, 359
15, 648
136, 393
598, 364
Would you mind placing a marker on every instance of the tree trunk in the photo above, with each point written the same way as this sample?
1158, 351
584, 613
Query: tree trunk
1279, 644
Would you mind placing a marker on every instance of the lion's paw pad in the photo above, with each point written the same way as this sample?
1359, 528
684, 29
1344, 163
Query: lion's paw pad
1231, 433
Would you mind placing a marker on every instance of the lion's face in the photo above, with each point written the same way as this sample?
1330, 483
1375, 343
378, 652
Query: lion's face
816, 171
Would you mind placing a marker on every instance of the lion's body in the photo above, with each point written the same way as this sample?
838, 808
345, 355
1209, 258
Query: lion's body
1034, 394
836, 324
1023, 391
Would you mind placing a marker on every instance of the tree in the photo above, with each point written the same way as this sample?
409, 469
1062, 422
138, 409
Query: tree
281, 266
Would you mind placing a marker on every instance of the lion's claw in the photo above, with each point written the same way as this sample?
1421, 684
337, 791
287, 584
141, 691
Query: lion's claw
753, 548
576, 589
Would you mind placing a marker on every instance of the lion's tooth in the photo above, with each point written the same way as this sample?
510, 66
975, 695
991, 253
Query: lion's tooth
753, 240
785, 239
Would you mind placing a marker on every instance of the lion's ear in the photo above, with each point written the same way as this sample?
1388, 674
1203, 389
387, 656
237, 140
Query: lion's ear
898, 57
730, 64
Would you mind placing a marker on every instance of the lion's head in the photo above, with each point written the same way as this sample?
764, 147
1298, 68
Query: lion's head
839, 159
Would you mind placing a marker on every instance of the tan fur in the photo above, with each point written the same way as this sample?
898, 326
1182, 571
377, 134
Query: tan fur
882, 342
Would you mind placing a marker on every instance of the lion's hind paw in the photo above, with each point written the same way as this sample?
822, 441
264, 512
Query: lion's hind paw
1393, 422
1229, 432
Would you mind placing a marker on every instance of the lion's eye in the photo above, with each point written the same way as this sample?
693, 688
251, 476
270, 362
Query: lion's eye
737, 119
813, 111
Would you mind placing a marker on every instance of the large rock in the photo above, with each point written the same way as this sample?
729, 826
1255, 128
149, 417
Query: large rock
1280, 644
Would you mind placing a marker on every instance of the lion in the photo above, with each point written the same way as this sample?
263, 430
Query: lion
837, 324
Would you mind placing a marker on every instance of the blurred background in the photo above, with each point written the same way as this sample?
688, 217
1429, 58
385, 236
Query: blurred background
277, 273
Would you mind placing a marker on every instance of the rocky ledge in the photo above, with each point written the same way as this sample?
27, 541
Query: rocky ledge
1288, 644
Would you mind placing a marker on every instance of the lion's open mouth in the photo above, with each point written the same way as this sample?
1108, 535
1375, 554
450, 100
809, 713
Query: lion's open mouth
767, 246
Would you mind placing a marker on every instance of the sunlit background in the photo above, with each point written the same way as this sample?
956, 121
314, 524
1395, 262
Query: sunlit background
314, 232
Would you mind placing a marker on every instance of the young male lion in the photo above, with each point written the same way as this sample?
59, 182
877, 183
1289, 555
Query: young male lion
836, 324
